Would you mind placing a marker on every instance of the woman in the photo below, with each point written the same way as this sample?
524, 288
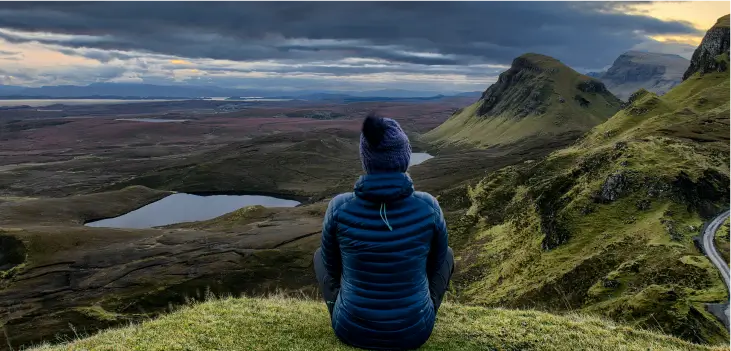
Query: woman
384, 264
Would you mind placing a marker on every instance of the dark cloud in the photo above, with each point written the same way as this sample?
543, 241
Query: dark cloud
99, 55
461, 33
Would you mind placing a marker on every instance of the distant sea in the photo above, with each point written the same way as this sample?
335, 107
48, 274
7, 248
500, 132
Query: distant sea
48, 102
247, 98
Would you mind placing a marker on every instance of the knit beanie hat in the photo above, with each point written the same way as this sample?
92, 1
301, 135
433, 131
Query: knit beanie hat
384, 147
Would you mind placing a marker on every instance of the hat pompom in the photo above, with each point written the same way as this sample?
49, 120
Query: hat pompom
374, 129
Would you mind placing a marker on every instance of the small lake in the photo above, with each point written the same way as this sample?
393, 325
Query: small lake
180, 208
72, 102
419, 157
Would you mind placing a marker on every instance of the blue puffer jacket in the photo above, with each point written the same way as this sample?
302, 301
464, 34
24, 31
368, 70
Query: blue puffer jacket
385, 240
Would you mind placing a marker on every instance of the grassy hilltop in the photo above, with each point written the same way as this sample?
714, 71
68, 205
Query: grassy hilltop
289, 324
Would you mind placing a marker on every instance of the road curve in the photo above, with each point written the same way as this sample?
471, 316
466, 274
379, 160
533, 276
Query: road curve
710, 249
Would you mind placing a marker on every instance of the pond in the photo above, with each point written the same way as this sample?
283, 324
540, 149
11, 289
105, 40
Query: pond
419, 157
180, 208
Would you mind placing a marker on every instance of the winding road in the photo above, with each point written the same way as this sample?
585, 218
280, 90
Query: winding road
710, 249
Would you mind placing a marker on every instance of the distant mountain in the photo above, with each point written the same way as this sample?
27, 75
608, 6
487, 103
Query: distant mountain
9, 89
537, 96
636, 70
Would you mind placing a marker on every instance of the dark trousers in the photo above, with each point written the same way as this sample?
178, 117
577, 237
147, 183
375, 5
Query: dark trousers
438, 281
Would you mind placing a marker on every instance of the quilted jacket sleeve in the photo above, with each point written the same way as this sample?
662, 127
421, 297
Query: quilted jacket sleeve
439, 243
330, 247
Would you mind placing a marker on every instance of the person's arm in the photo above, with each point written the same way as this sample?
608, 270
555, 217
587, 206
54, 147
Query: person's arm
439, 243
330, 247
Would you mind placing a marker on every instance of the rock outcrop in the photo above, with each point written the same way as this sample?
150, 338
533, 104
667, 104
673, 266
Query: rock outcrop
614, 186
709, 56
12, 253
635, 70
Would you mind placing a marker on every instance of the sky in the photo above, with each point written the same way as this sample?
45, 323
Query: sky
333, 46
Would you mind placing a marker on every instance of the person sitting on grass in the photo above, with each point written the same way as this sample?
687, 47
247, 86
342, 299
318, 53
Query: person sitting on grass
384, 265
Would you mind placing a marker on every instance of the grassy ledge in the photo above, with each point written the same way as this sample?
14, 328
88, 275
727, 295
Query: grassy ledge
291, 324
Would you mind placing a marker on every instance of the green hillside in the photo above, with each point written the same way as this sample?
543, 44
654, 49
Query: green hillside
606, 226
537, 96
287, 324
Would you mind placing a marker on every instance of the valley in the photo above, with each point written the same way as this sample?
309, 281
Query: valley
559, 197
69, 186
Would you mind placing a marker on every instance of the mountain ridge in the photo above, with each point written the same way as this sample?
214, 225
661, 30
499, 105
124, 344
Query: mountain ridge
537, 96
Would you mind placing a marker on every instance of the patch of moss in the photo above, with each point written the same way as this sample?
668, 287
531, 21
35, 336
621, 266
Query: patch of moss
99, 313
9, 273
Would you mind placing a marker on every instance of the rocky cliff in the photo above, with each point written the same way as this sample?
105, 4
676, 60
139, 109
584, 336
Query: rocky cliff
709, 56
537, 96
635, 70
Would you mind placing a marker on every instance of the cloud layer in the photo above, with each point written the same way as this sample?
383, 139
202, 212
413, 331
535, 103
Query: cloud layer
455, 45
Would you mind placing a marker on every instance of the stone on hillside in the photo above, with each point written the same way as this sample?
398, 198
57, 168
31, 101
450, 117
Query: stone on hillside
643, 204
614, 186
582, 102
722, 67
611, 283
592, 86
12, 252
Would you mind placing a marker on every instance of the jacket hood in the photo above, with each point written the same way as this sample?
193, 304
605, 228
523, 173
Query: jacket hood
384, 187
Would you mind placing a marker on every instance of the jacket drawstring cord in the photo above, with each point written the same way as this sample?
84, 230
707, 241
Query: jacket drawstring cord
384, 218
